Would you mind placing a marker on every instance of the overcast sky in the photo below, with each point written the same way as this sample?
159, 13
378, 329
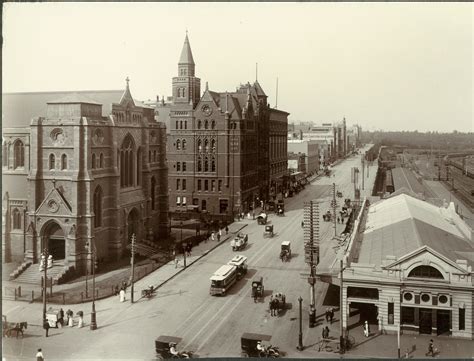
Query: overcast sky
392, 66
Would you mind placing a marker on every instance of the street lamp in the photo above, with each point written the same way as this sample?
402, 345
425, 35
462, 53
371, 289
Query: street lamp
93, 314
87, 267
44, 257
300, 336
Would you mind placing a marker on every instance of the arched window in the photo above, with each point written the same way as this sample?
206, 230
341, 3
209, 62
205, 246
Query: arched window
199, 166
127, 162
154, 156
213, 145
213, 165
206, 145
152, 192
206, 124
16, 218
178, 144
139, 166
101, 160
5, 154
177, 124
52, 161
93, 160
213, 124
199, 143
199, 124
185, 124
206, 165
425, 272
98, 207
181, 124
64, 162
184, 144
18, 154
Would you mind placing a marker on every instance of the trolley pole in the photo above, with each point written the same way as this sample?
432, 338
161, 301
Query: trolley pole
300, 336
132, 261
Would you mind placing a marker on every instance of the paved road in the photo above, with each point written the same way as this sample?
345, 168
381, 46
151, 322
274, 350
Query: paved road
209, 326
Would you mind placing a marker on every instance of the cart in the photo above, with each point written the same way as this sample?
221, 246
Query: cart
52, 316
249, 341
239, 242
262, 218
257, 288
163, 344
268, 231
285, 254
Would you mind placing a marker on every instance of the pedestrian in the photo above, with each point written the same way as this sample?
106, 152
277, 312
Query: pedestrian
220, 232
124, 286
338, 220
70, 318
122, 295
366, 329
213, 238
39, 355
271, 305
116, 290
80, 324
46, 326
50, 261
302, 224
226, 230
219, 236
331, 314
327, 332
61, 317
324, 333
431, 350
326, 314
189, 248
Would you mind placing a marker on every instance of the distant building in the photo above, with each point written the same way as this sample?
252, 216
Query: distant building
162, 110
410, 263
310, 148
296, 162
81, 171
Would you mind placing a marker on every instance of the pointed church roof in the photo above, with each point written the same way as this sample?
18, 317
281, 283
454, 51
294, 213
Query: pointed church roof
127, 96
258, 89
186, 54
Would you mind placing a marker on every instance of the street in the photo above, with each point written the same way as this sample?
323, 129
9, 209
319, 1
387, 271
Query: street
209, 326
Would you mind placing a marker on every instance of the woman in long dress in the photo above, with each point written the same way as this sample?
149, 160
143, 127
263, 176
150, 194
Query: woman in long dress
122, 295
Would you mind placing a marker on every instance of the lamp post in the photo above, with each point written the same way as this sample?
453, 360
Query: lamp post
300, 336
87, 267
45, 267
132, 262
341, 313
93, 314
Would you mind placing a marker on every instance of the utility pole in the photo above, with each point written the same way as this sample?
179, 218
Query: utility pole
333, 203
312, 252
45, 278
363, 168
132, 261
87, 269
341, 312
183, 244
300, 336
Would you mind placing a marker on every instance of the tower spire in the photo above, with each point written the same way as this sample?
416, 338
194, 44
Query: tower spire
186, 54
256, 71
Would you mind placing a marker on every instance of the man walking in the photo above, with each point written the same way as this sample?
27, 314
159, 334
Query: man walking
331, 314
226, 230
39, 355
61, 317
46, 327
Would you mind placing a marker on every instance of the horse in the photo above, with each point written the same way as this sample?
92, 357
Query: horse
18, 328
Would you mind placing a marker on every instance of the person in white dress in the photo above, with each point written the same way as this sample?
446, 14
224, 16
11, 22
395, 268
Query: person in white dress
43, 259
50, 261
122, 295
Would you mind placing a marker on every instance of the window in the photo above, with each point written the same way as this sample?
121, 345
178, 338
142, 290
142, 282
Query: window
18, 154
213, 124
178, 200
184, 185
206, 165
390, 313
101, 161
127, 162
213, 185
462, 319
154, 156
64, 162
149, 156
177, 124
199, 184
206, 145
184, 201
213, 165
408, 315
199, 124
206, 185
178, 166
219, 185
181, 124
52, 161
206, 124
199, 166
425, 272
199, 143
203, 205
16, 218
178, 184
185, 124
213, 145
98, 207
184, 144
184, 166
178, 144
152, 192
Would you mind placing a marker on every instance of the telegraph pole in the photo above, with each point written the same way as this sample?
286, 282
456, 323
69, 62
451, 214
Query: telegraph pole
363, 168
93, 325
333, 203
341, 313
45, 285
300, 335
311, 236
132, 262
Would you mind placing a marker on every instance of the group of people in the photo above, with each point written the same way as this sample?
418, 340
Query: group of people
65, 319
121, 291
43, 262
274, 305
329, 314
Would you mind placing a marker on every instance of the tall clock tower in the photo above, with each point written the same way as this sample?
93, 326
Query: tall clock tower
186, 87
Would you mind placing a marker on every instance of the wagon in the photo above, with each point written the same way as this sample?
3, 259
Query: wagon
285, 254
262, 218
52, 316
239, 242
257, 288
249, 341
268, 231
162, 345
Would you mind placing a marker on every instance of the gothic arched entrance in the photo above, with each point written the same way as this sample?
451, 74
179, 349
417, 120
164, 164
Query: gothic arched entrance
132, 224
54, 241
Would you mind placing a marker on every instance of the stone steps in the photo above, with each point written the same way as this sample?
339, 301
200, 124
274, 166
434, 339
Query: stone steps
32, 274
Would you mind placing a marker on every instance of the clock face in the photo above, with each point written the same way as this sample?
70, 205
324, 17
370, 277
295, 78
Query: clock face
206, 109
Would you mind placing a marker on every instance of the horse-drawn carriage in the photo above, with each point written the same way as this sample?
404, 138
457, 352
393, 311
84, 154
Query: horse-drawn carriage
262, 218
53, 317
9, 327
239, 242
257, 288
268, 231
327, 216
277, 303
163, 346
251, 342
285, 254
149, 292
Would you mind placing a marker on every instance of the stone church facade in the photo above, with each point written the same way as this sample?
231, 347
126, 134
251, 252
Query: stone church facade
91, 181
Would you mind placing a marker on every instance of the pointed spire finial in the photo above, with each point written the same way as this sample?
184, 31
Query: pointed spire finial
226, 103
54, 183
256, 71
127, 79
207, 86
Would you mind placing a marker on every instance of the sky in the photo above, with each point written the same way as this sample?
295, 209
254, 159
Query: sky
390, 66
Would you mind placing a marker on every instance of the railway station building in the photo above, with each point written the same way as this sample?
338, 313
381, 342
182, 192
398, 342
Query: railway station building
409, 263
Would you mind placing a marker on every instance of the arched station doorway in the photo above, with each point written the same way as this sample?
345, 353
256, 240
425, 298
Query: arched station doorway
54, 241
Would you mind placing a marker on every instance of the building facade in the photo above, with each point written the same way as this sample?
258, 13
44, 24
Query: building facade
89, 181
311, 150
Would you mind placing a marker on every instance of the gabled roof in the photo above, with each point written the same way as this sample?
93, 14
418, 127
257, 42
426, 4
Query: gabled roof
402, 224
73, 98
186, 54
19, 108
258, 89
